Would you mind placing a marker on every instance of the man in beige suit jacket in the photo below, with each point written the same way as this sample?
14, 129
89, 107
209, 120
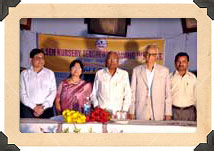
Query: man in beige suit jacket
151, 89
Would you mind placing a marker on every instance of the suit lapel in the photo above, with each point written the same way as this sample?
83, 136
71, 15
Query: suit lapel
155, 74
143, 75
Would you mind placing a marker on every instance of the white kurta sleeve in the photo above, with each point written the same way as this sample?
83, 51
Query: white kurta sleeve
127, 93
133, 90
95, 91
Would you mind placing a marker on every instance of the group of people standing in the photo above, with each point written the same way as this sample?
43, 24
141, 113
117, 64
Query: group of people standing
154, 93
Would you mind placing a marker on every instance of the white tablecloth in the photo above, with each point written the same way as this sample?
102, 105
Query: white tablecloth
134, 126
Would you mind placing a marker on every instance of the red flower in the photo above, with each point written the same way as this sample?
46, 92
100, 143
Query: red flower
92, 119
99, 115
87, 118
104, 120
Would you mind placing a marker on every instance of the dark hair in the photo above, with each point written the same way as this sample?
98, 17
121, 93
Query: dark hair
180, 54
73, 64
35, 52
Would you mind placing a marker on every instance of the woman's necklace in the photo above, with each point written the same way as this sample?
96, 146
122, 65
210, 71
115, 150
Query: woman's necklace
74, 82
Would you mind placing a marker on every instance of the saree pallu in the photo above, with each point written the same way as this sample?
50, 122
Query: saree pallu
73, 96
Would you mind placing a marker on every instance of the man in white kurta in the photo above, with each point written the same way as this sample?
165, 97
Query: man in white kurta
37, 88
111, 88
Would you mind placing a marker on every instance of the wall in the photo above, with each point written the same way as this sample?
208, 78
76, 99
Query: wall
168, 29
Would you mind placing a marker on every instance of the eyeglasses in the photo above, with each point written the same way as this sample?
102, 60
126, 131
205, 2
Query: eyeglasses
76, 68
151, 54
113, 60
38, 58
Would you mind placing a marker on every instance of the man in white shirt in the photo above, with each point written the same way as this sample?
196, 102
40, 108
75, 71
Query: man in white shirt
151, 96
183, 87
111, 88
37, 88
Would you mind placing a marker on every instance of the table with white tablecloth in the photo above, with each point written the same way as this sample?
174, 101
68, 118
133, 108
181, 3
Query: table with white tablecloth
29, 125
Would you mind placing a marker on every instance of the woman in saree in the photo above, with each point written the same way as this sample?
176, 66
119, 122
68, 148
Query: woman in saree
73, 92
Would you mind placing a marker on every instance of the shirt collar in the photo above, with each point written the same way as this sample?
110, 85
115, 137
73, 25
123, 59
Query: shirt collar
153, 68
106, 69
31, 69
177, 73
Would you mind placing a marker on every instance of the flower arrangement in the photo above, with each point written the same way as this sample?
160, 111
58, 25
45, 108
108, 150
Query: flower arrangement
72, 116
98, 115
75, 117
